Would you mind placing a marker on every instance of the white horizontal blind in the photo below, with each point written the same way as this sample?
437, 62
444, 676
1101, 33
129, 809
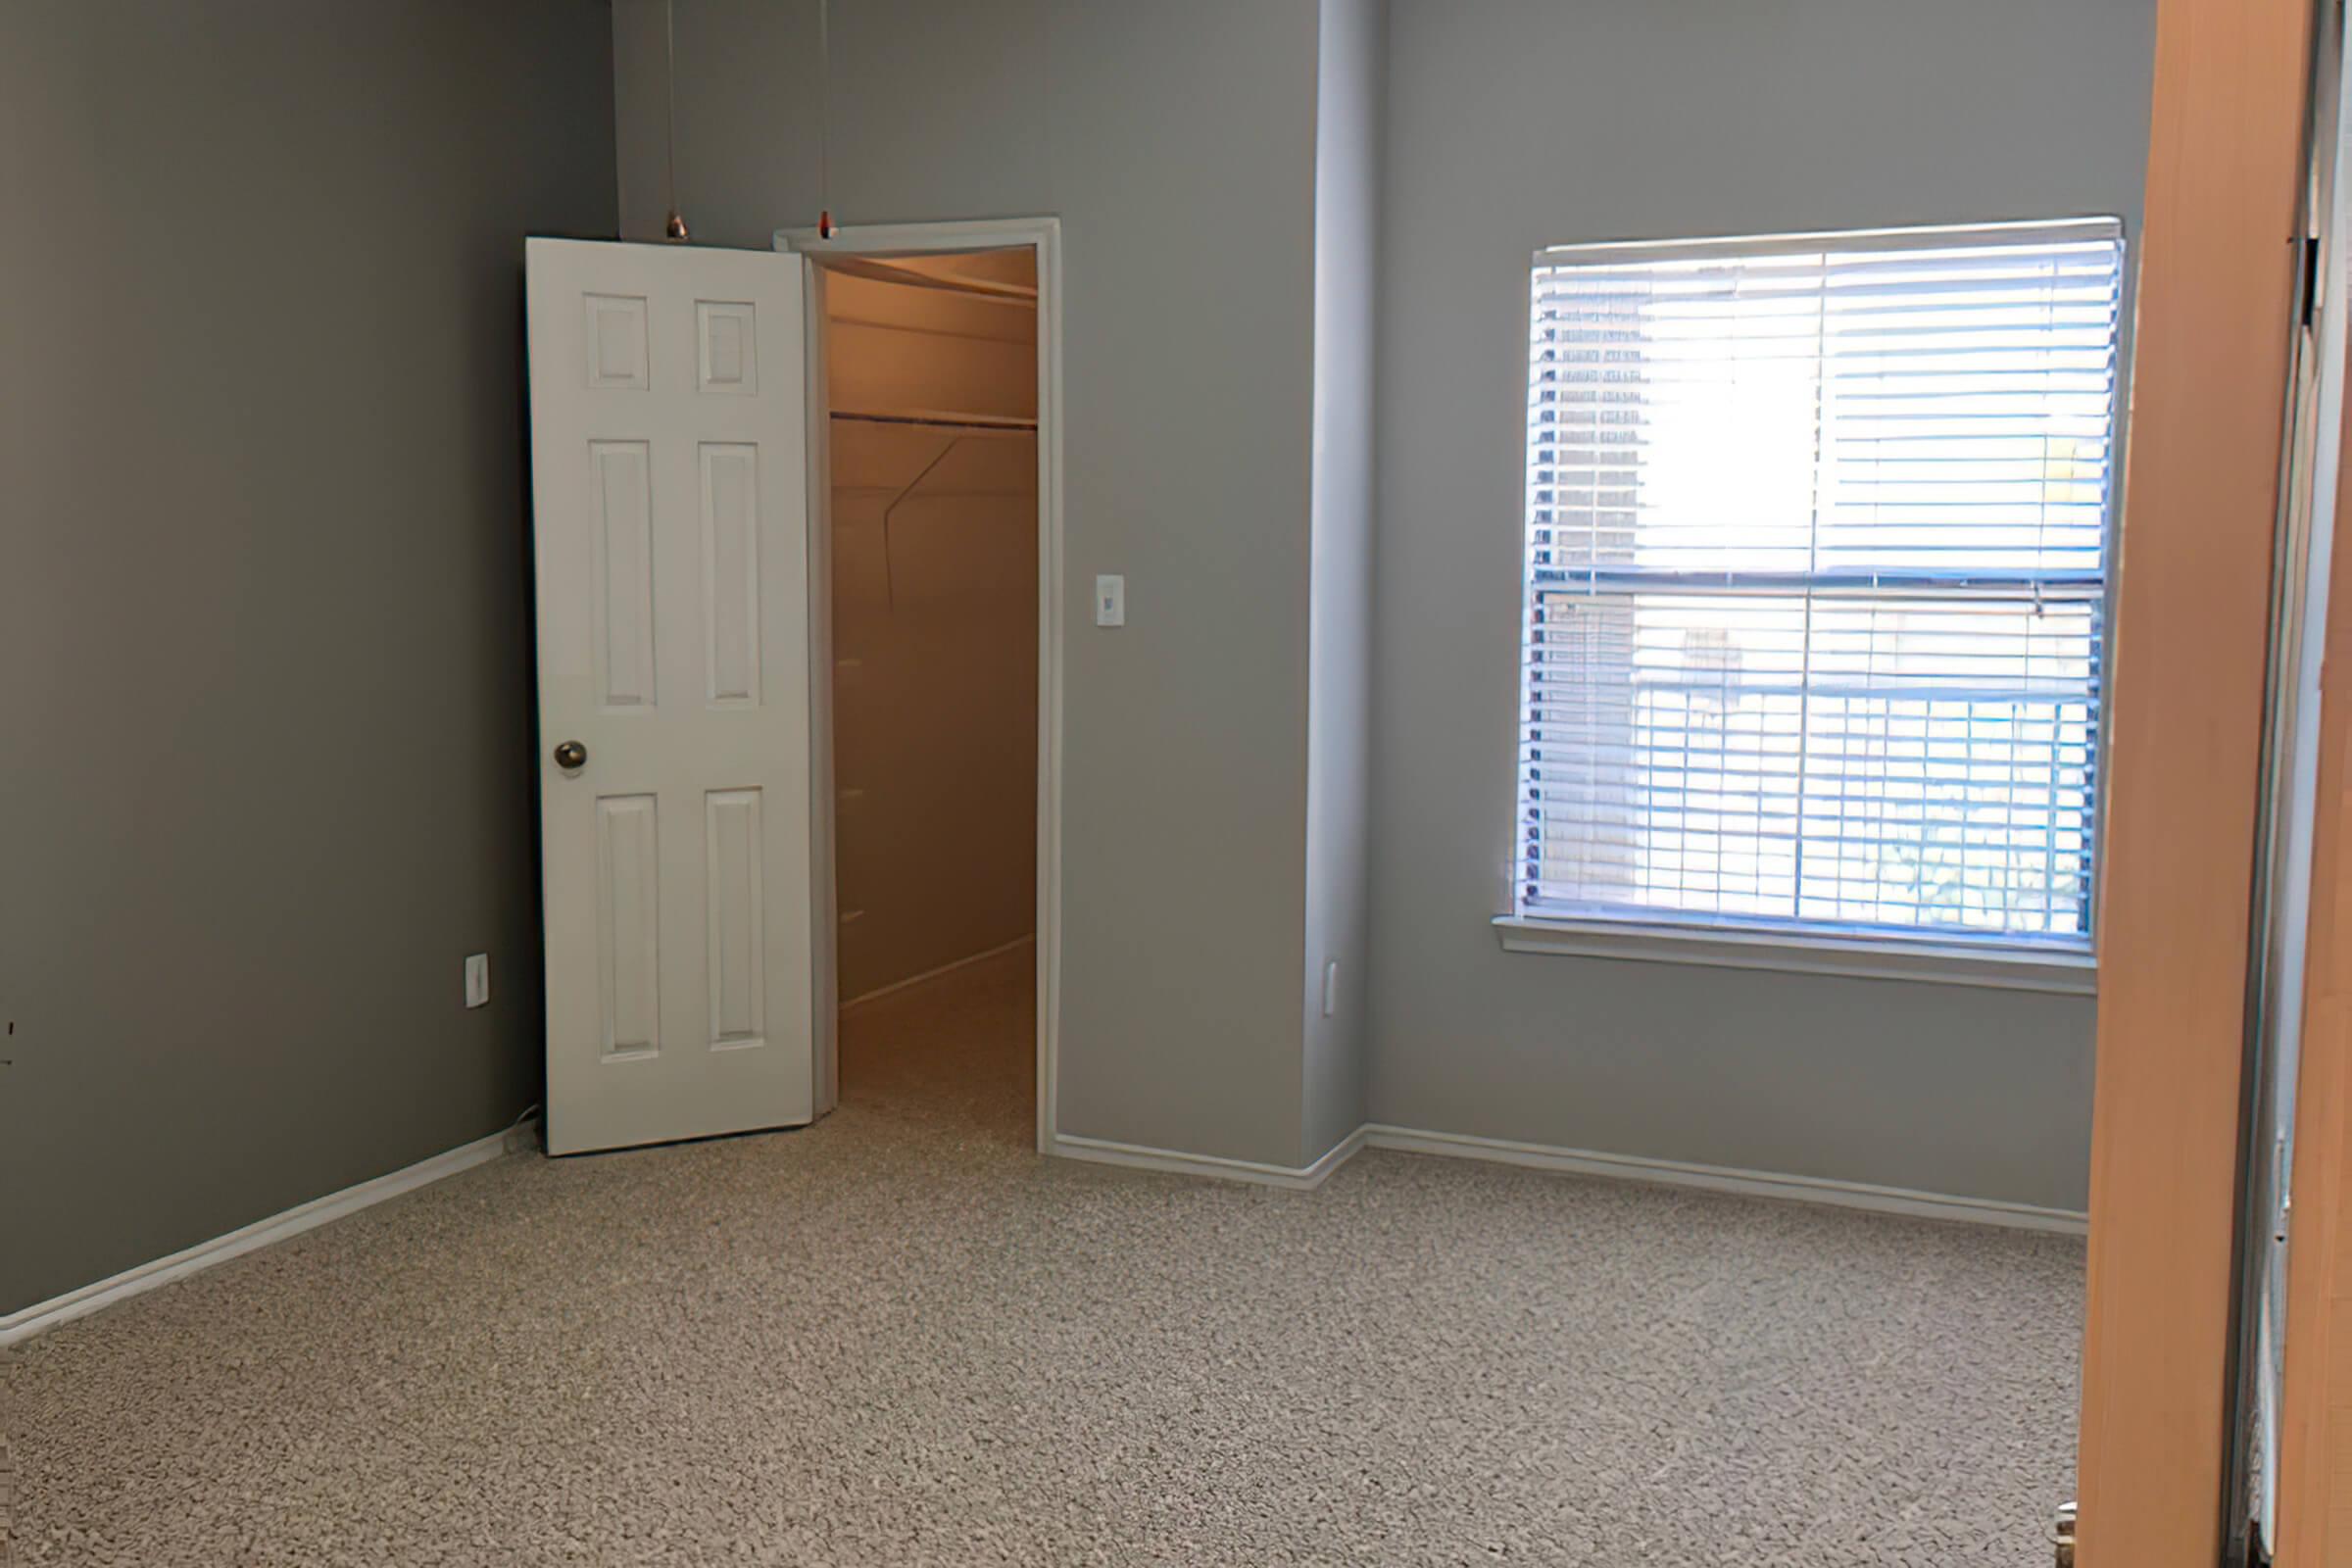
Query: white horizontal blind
1816, 557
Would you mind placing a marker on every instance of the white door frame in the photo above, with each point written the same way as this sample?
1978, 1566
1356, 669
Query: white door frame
1043, 236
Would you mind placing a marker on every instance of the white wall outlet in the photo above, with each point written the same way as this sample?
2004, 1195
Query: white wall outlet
477, 980
1331, 986
1111, 601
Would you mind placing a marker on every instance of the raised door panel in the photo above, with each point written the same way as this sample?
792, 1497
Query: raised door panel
628, 924
735, 848
726, 348
623, 607
730, 608
616, 357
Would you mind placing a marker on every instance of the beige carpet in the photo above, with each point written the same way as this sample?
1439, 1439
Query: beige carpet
899, 1337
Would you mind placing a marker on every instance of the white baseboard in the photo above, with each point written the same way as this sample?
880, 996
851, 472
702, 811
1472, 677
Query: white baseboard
1583, 1162
897, 986
1302, 1178
32, 1320
1720, 1179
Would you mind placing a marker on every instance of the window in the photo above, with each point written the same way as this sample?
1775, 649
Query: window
1815, 582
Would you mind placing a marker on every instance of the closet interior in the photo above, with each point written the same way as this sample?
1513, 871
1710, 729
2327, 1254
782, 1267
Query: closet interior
931, 425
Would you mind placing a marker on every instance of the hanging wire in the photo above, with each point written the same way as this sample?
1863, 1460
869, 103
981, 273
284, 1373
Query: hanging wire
824, 119
675, 227
890, 576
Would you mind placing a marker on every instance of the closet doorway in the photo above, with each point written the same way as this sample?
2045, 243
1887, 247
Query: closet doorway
933, 479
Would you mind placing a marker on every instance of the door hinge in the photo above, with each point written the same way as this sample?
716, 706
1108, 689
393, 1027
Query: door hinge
2311, 279
2062, 1534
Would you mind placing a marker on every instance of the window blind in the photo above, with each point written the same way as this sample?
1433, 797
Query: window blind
1816, 581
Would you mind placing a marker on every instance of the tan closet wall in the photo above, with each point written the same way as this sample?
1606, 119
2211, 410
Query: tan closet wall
935, 627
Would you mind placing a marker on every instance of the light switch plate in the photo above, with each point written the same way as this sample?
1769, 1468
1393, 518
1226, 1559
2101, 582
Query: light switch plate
477, 980
1111, 601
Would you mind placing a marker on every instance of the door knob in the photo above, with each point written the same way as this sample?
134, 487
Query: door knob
571, 755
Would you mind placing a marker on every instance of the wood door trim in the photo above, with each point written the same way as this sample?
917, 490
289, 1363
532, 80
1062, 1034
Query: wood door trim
2217, 268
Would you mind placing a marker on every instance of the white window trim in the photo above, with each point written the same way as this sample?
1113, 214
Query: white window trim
1723, 943
2053, 230
1875, 957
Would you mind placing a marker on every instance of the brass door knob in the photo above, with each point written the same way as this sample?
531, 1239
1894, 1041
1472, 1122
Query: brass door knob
571, 755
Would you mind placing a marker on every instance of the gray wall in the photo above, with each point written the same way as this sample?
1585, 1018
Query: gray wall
1514, 124
1352, 72
262, 580
1176, 143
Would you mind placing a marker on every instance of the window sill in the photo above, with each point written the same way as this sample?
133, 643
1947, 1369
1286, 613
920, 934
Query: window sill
1732, 948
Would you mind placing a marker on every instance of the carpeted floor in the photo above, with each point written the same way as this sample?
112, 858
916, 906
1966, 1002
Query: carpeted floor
900, 1338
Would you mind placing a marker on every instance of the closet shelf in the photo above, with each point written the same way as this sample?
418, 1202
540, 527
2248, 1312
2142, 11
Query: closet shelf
988, 290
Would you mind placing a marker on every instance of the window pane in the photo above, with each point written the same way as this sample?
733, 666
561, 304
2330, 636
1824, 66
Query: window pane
1948, 752
1815, 572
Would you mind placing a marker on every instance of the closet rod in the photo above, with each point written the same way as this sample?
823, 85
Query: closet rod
938, 422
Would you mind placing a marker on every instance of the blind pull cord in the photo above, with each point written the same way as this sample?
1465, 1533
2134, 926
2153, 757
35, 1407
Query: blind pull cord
824, 119
674, 229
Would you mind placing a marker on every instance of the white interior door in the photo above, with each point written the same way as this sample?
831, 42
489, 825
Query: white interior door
669, 447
